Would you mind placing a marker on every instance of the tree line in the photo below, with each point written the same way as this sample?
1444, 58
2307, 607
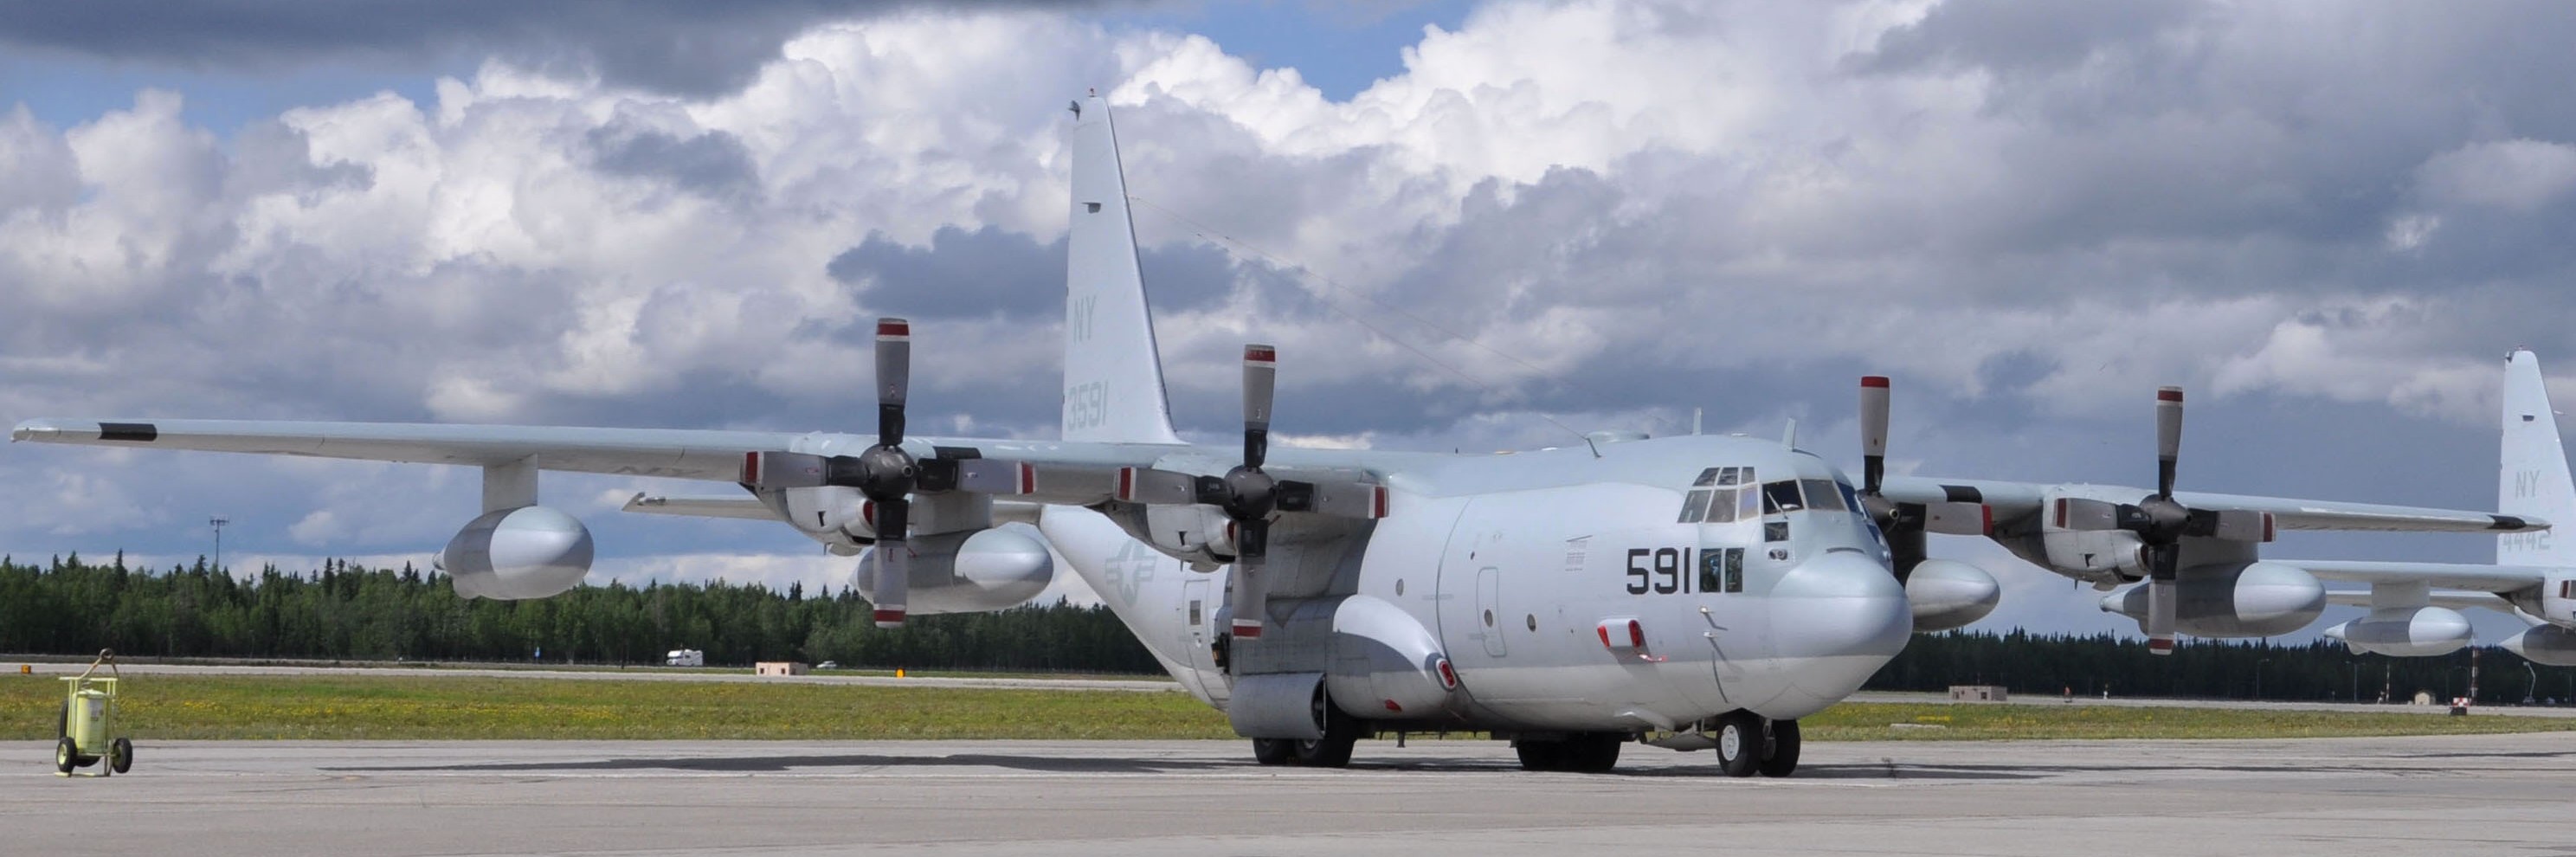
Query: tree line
348, 612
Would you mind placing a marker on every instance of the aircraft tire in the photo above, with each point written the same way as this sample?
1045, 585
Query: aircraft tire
1274, 751
1341, 733
1782, 760
1739, 743
1591, 752
1541, 755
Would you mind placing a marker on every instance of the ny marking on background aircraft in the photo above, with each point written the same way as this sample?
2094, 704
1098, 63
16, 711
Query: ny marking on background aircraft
1689, 592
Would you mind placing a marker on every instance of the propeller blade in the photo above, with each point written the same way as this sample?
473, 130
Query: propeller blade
2160, 616
2168, 437
1873, 432
1364, 501
1251, 589
894, 377
1260, 376
894, 560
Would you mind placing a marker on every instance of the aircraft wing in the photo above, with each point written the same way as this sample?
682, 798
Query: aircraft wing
2480, 577
2012, 500
2455, 599
674, 453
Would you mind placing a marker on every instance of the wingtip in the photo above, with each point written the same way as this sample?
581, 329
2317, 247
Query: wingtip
33, 430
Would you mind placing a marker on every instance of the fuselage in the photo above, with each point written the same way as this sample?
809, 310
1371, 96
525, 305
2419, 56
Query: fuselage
1630, 586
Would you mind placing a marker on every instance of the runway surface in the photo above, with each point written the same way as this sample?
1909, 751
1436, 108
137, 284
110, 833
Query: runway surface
2452, 795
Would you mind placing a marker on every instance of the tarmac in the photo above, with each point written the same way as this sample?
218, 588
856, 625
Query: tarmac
2449, 795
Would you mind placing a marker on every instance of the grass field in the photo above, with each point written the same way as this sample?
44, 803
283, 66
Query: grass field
430, 707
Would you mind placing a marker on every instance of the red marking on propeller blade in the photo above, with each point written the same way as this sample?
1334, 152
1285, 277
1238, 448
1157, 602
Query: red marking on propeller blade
1260, 354
2168, 394
2267, 526
1028, 478
1380, 510
893, 328
750, 468
2160, 644
889, 616
1873, 380
1127, 484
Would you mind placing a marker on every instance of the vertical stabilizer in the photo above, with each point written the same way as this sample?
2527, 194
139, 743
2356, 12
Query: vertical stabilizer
2534, 480
1113, 375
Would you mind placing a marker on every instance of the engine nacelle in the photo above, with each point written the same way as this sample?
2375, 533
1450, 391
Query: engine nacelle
2546, 645
2094, 553
1947, 594
2259, 599
2405, 632
974, 572
527, 552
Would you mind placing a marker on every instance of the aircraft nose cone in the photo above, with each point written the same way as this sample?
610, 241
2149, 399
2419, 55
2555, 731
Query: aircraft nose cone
1835, 620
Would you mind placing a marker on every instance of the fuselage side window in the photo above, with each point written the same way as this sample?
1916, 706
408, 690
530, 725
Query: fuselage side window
1734, 569
1821, 495
1721, 570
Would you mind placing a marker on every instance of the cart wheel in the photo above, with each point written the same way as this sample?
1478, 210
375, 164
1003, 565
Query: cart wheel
120, 755
66, 754
63, 720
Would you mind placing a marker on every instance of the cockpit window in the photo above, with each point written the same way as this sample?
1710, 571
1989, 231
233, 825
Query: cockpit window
1706, 478
1694, 507
1850, 498
1721, 506
1781, 496
1821, 495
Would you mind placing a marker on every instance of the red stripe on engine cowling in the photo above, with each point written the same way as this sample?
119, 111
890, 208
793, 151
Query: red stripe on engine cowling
750, 468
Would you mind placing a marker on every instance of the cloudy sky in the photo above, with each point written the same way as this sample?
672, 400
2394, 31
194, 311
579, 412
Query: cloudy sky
2328, 220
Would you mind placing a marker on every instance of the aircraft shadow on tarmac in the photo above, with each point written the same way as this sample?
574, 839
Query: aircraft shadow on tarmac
1101, 765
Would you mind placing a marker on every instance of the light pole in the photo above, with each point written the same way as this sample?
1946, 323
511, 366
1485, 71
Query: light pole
218, 522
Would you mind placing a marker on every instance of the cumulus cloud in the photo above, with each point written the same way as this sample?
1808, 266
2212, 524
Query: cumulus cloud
1561, 216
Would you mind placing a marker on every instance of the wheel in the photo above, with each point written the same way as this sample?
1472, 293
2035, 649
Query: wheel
120, 755
1341, 733
66, 754
1540, 755
1739, 743
1783, 758
1593, 752
1274, 751
63, 721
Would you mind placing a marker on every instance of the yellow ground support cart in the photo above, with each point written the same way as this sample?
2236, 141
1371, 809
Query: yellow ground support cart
89, 717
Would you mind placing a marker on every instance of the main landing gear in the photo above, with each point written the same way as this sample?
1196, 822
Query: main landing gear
1580, 752
1748, 744
1341, 733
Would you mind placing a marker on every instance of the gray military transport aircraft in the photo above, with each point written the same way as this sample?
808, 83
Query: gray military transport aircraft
1691, 592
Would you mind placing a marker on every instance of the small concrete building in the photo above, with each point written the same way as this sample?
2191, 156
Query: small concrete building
778, 668
1976, 693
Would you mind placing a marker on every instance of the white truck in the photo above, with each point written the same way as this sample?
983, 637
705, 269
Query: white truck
685, 658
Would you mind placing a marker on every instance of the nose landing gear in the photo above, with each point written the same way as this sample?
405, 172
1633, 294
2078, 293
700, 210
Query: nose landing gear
1748, 744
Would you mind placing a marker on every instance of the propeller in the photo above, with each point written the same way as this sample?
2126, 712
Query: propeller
887, 475
1249, 496
1903, 524
2161, 523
